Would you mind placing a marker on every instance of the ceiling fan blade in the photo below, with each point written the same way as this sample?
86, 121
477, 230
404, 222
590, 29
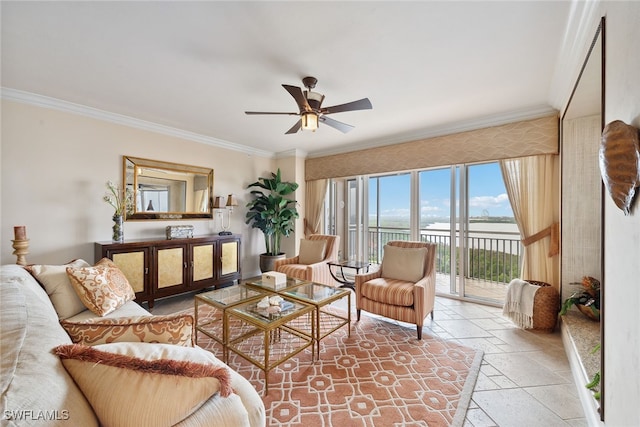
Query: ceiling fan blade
297, 94
361, 104
295, 128
270, 112
342, 127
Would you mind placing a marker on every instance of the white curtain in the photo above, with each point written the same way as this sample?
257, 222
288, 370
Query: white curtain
314, 198
533, 187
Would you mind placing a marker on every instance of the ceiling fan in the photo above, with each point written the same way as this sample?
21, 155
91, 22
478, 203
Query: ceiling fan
311, 111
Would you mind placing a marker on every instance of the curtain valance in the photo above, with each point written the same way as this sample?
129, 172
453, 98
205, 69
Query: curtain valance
520, 139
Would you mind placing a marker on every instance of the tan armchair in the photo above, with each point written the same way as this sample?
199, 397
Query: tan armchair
404, 288
311, 263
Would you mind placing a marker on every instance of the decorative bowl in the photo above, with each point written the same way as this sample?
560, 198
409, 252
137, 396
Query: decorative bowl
591, 313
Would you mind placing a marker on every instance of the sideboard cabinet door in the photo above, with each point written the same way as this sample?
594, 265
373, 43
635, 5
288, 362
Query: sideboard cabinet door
170, 270
135, 264
229, 258
202, 264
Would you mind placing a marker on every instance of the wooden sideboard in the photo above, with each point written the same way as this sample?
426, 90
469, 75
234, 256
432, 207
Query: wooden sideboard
160, 268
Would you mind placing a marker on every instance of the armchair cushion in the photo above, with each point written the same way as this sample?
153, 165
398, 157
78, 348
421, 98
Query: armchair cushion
389, 291
403, 263
311, 251
118, 380
170, 329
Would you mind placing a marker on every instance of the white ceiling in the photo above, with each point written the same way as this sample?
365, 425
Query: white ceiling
428, 67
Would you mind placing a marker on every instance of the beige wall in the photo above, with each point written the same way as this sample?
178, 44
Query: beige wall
292, 170
54, 168
622, 233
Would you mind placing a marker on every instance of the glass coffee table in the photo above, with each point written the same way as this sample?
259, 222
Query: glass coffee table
319, 296
266, 338
219, 300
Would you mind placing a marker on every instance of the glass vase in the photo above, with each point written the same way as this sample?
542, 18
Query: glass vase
118, 229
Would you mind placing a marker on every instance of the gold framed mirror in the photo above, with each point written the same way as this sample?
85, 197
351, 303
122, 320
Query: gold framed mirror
167, 191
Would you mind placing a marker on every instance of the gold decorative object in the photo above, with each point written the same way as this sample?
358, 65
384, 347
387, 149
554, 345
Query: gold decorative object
179, 231
620, 162
591, 313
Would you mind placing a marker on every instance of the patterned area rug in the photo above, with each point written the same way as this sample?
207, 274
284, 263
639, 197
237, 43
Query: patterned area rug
381, 375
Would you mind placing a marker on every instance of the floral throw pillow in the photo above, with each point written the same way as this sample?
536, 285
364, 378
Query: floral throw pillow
102, 288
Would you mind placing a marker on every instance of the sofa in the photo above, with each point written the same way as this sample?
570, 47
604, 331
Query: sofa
111, 373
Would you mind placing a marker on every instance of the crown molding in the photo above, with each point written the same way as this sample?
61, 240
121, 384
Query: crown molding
83, 110
296, 152
513, 116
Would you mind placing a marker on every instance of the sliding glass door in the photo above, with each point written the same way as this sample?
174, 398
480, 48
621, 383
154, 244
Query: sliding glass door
389, 212
492, 240
463, 209
438, 213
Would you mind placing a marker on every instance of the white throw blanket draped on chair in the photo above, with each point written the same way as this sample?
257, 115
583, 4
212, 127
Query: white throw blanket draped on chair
518, 304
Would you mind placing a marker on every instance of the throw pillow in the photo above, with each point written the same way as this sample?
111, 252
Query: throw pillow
174, 329
142, 384
101, 288
311, 251
54, 280
403, 263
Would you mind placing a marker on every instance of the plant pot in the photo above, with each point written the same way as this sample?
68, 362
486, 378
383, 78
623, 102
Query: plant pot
267, 261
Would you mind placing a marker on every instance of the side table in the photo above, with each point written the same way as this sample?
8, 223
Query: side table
341, 265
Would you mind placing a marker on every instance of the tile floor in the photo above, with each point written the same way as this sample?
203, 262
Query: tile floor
525, 379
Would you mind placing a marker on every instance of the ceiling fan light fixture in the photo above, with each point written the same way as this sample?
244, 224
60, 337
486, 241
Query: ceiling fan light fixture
314, 99
314, 95
311, 111
309, 121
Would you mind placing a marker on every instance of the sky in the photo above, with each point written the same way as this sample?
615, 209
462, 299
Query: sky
487, 194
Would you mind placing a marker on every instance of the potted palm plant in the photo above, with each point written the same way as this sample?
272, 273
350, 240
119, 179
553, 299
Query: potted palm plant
273, 213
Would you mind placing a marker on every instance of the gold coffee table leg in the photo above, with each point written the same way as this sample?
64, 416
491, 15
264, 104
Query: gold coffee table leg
266, 361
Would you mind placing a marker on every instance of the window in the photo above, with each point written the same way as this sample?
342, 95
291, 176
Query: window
463, 204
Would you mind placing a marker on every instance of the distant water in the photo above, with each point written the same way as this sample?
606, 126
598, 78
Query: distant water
480, 227
485, 235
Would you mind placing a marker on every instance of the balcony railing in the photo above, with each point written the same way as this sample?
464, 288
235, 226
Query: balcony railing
491, 256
